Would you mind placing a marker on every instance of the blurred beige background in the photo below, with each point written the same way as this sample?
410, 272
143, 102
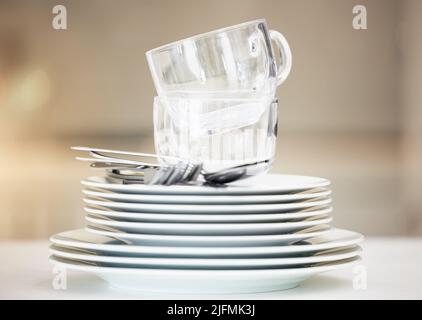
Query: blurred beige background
351, 109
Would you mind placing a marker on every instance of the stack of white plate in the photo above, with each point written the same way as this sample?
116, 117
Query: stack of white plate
263, 234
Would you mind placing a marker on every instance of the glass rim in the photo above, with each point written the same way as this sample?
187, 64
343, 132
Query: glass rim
201, 35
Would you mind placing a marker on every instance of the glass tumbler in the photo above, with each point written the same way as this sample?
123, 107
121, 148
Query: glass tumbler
234, 62
220, 133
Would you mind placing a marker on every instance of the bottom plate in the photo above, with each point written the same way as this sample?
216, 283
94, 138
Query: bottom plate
202, 281
204, 263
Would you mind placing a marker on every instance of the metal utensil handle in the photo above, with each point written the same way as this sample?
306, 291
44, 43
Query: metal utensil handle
98, 155
129, 153
115, 161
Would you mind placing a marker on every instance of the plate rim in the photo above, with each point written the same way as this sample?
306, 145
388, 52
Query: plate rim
344, 253
264, 237
210, 208
203, 199
186, 189
324, 219
180, 217
168, 250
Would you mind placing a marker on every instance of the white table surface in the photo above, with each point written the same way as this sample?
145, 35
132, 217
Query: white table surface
393, 269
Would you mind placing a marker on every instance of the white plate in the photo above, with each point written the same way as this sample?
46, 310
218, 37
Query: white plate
224, 241
265, 184
80, 238
208, 228
204, 208
203, 263
202, 281
201, 199
175, 217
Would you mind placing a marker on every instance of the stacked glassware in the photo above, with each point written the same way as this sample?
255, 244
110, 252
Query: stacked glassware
216, 100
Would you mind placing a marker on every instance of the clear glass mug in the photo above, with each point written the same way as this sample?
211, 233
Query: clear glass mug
235, 62
220, 133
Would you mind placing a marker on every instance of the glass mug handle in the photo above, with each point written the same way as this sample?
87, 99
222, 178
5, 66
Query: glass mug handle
283, 50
